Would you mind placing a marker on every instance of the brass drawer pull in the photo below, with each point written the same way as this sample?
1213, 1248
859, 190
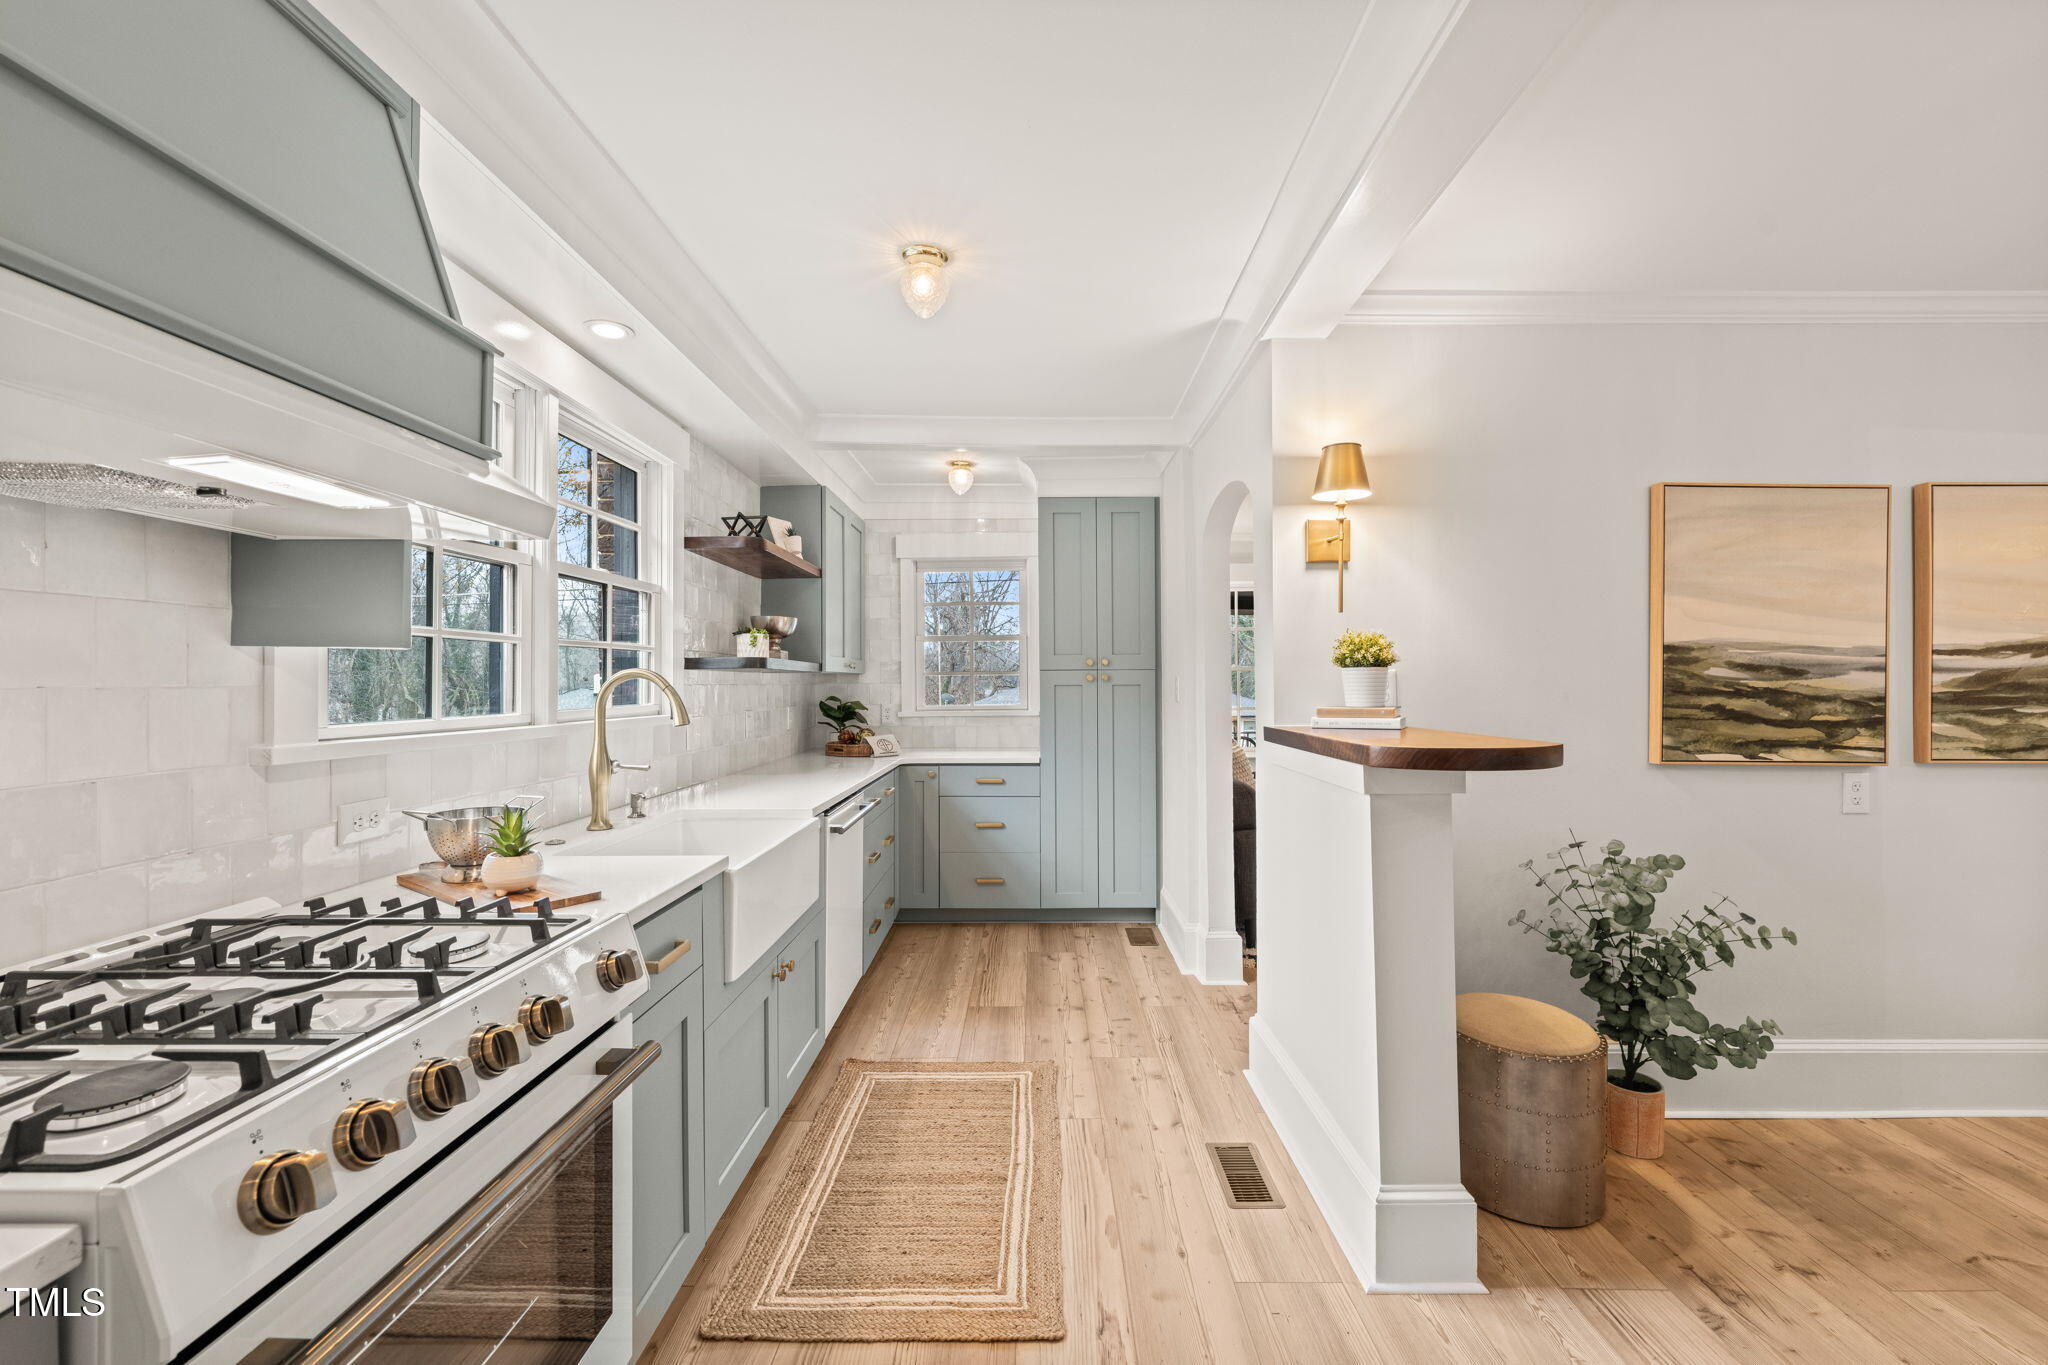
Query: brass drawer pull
988, 881
888, 839
782, 973
889, 903
888, 791
875, 928
990, 781
672, 956
988, 824
876, 856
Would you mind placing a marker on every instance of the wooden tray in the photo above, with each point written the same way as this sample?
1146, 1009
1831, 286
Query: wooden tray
560, 894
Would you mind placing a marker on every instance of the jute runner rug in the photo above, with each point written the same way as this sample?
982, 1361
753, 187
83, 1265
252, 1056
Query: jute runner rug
923, 1205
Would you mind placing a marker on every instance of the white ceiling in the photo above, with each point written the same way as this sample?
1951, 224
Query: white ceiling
1100, 171
1761, 145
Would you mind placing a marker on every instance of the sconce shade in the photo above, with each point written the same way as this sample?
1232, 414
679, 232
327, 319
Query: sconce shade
1341, 475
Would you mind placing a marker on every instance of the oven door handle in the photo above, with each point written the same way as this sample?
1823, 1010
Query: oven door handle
620, 1067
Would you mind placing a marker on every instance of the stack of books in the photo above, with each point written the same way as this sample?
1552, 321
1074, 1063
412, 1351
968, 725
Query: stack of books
1357, 718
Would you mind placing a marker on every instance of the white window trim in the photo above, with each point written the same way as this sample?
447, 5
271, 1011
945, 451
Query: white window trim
913, 569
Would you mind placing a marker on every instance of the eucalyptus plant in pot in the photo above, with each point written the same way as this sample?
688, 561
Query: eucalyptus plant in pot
1365, 661
1599, 916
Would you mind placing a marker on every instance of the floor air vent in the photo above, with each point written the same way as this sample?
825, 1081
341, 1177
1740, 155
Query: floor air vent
1244, 1184
1141, 935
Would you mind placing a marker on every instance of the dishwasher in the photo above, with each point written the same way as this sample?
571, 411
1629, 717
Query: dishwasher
845, 899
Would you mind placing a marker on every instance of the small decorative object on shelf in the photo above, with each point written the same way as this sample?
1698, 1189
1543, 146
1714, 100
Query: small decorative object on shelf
740, 524
750, 644
884, 746
1365, 661
1639, 976
784, 534
848, 722
513, 864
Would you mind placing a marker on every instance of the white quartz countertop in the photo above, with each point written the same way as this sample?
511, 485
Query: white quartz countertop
816, 783
33, 1255
632, 885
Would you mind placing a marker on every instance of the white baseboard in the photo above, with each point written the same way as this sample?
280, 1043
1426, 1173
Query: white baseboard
1338, 1177
1214, 959
1813, 1078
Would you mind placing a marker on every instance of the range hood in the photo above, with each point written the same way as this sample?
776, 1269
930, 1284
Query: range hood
216, 270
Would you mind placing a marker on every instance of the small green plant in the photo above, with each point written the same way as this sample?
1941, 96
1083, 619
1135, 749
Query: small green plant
1360, 649
754, 637
511, 836
1639, 974
847, 718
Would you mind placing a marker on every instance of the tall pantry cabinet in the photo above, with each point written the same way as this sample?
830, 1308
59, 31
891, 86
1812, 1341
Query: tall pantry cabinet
1099, 700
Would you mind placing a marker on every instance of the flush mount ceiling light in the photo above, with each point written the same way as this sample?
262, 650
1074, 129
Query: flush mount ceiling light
960, 475
924, 280
273, 479
609, 330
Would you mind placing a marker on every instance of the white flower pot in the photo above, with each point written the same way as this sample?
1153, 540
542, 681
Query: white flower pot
1368, 686
744, 646
506, 875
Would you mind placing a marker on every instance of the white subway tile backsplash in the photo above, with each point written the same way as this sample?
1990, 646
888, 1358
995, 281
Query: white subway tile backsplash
188, 883
21, 544
229, 804
211, 660
264, 867
96, 731
143, 817
141, 644
93, 554
186, 564
49, 832
356, 779
298, 797
98, 905
21, 738
189, 728
21, 920
49, 640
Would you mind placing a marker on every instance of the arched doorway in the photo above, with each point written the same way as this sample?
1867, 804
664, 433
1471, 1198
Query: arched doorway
1226, 712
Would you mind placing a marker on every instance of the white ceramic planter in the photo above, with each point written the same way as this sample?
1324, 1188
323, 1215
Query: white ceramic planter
743, 645
506, 875
1368, 686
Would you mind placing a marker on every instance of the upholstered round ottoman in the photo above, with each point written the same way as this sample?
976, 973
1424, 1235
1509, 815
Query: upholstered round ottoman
1531, 1098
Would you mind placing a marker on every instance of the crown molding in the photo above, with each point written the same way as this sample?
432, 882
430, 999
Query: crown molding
946, 433
1407, 309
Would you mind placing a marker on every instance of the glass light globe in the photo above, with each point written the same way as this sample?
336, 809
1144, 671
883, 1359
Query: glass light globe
925, 285
960, 477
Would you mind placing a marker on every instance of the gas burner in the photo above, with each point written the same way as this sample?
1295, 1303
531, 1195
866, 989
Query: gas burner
460, 947
115, 1095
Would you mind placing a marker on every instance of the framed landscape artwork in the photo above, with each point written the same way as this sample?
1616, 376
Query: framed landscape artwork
1769, 616
1980, 622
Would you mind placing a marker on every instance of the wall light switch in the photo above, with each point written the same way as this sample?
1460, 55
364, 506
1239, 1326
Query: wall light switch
358, 821
1856, 793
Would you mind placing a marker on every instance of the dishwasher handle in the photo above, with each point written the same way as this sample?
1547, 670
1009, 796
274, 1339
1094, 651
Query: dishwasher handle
836, 824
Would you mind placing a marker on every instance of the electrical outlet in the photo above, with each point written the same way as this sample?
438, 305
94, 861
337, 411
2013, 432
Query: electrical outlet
1856, 793
360, 820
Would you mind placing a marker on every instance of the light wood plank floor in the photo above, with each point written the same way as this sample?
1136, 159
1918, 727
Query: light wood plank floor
1846, 1240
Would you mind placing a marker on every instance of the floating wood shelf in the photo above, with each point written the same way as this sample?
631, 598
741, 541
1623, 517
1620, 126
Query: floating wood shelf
767, 665
752, 555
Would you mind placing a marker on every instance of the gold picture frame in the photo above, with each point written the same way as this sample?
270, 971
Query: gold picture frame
1980, 593
1770, 624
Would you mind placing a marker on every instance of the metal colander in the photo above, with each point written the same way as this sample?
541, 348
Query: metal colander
461, 836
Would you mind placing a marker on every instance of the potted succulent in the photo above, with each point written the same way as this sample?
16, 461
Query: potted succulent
1639, 975
847, 720
1365, 660
513, 863
752, 643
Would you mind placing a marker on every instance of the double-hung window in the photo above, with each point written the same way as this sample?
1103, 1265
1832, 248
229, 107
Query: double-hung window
968, 646
463, 665
604, 595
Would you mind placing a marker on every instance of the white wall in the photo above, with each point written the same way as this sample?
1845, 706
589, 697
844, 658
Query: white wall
1505, 551
1203, 489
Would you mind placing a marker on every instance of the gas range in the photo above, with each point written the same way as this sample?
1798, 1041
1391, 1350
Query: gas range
215, 1101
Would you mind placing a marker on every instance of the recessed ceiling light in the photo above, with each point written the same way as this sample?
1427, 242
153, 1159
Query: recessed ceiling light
925, 284
516, 331
274, 479
609, 330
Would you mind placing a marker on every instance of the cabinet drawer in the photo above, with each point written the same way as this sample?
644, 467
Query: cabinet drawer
991, 881
876, 918
672, 938
878, 831
882, 788
880, 867
1009, 779
988, 824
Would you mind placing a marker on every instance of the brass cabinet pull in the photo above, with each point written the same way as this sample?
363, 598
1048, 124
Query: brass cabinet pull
1087, 663
888, 839
990, 781
875, 928
1105, 677
782, 972
876, 856
1089, 678
672, 956
988, 881
931, 772
889, 903
888, 791
988, 824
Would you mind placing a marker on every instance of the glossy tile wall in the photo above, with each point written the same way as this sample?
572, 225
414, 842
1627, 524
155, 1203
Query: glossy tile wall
127, 796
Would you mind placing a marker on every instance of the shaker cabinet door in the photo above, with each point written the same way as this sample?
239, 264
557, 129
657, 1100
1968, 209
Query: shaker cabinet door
670, 1218
1067, 564
1069, 804
742, 1096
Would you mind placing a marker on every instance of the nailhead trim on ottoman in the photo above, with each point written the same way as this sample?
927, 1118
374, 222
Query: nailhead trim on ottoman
1530, 1122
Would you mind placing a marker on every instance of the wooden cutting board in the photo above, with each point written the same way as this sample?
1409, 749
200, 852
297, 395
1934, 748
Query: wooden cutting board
560, 894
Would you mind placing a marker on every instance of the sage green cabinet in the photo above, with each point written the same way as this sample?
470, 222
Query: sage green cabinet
670, 1217
831, 629
798, 997
1069, 742
1098, 583
917, 833
1127, 789
742, 1088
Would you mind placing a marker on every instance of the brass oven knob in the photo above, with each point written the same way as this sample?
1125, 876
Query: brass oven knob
438, 1085
370, 1130
282, 1187
618, 968
496, 1049
543, 1016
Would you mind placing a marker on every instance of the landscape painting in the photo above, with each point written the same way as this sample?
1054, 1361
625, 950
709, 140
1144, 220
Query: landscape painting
1980, 622
1769, 608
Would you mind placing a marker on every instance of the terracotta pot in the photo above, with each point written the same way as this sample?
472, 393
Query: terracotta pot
1635, 1118
506, 875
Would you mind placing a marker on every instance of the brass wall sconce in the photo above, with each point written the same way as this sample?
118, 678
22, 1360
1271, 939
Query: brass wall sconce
1340, 479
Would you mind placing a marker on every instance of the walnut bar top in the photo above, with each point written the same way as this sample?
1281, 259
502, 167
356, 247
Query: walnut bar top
1429, 750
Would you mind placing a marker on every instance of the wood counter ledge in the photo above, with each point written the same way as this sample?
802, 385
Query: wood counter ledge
1428, 750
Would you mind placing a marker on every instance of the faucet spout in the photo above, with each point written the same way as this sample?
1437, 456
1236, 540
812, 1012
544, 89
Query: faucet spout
602, 764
